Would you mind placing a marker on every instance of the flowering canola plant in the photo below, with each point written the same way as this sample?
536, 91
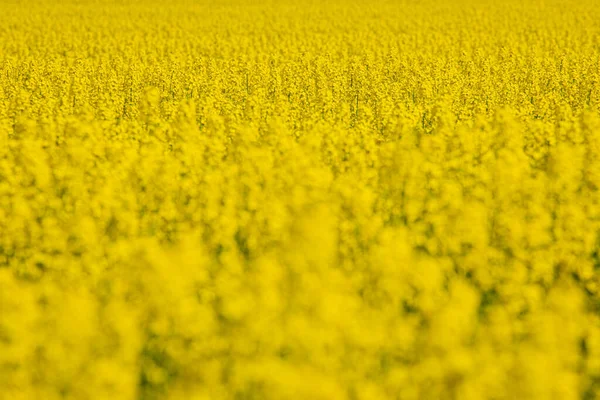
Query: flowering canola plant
299, 199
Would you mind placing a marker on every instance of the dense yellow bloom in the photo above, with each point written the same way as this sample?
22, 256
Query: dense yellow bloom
300, 199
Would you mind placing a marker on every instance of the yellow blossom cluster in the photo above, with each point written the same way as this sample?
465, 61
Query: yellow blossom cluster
299, 199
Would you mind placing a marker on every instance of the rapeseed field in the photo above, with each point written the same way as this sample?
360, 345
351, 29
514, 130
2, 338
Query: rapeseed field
299, 199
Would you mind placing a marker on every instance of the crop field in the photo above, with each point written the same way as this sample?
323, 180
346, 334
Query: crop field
299, 199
